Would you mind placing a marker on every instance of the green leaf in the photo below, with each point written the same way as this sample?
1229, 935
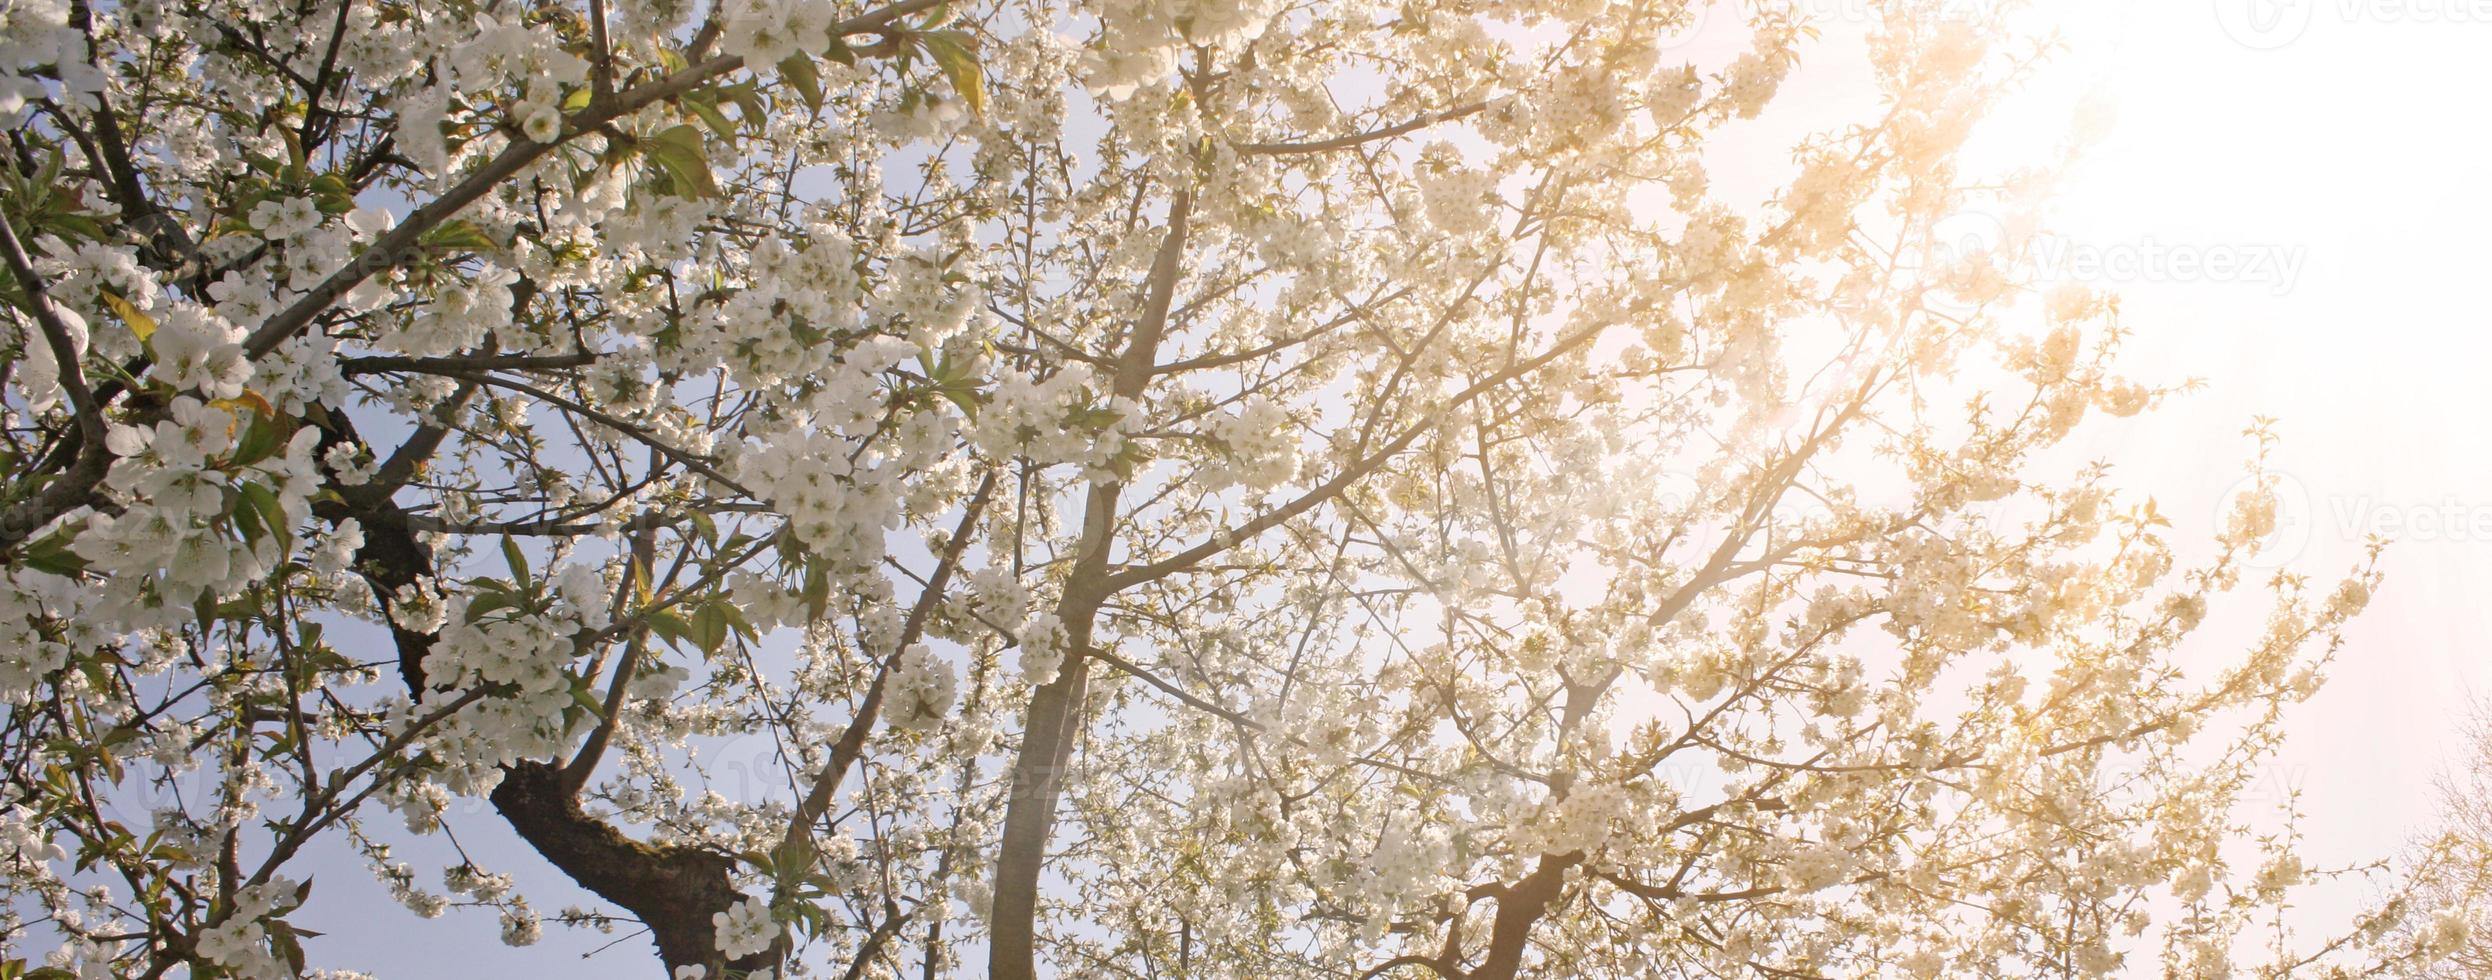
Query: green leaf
793, 857
678, 152
261, 498
517, 561
799, 72
458, 236
747, 99
670, 626
956, 52
735, 618
262, 435
709, 627
294, 147
335, 197
1129, 459
967, 399
817, 591
717, 121
488, 601
52, 554
248, 523
73, 226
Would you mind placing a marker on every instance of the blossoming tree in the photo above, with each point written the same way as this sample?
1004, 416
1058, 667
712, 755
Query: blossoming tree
2452, 863
1226, 489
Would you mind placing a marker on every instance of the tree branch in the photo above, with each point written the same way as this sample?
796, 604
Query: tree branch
73, 379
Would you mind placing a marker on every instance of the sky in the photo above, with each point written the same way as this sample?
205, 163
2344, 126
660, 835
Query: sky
2292, 202
2291, 213
2316, 133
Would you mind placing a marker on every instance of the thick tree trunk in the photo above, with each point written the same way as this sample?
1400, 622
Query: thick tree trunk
1519, 907
1055, 712
1029, 818
671, 888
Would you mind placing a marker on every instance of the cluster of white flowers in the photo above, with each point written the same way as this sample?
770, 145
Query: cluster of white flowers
522, 655
1811, 867
994, 594
918, 296
475, 882
42, 627
1143, 50
1261, 444
837, 508
1405, 863
39, 375
278, 219
766, 32
198, 350
746, 928
920, 689
502, 55
82, 278
927, 119
178, 488
419, 607
299, 373
2252, 517
1932, 591
1146, 37
1673, 94
770, 330
525, 652
521, 926
458, 314
2449, 931
1582, 821
1752, 80
1460, 199
26, 840
240, 942
1042, 646
1050, 420
352, 464
36, 33
1584, 99
656, 231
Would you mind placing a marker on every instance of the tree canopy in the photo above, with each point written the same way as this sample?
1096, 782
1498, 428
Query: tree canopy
1113, 488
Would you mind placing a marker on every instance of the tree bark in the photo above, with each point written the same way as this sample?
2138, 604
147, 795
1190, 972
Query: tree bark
672, 888
1055, 709
1519, 907
1029, 817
